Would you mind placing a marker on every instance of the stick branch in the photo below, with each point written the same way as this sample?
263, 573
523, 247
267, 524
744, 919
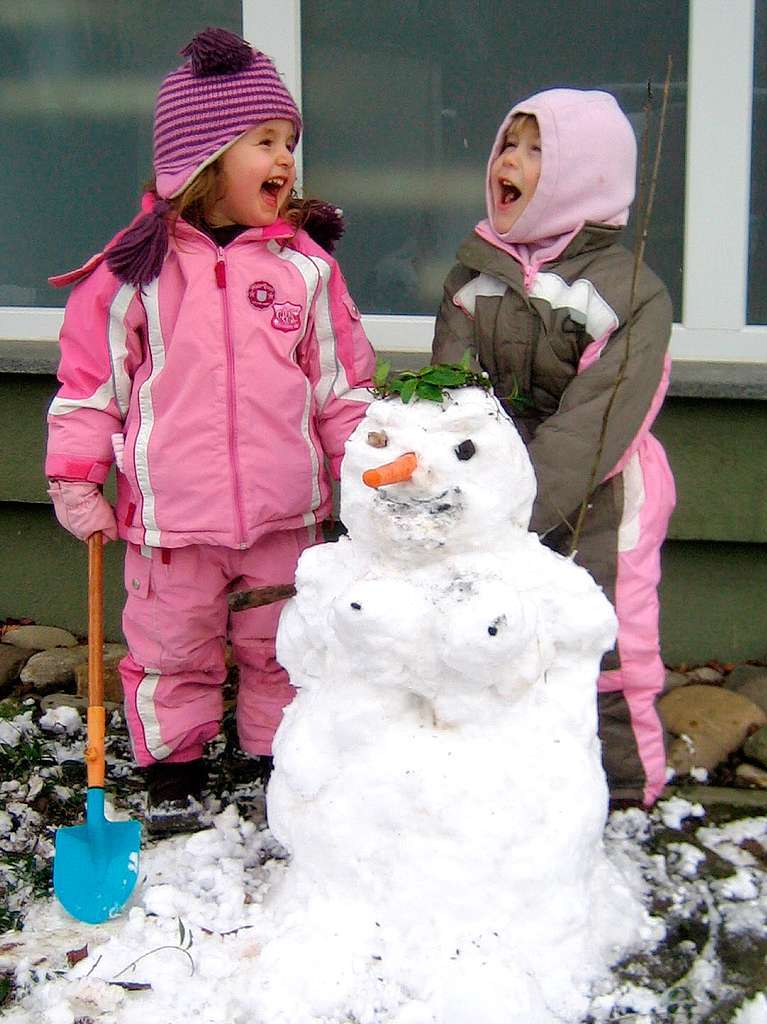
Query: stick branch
259, 596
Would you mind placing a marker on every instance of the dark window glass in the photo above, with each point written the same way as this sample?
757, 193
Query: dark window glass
77, 88
402, 101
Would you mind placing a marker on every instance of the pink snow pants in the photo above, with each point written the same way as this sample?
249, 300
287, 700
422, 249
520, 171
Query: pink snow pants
642, 673
176, 620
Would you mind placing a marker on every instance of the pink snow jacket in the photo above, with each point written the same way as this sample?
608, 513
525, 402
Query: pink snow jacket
223, 385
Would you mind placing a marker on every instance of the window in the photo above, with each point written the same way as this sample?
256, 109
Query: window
400, 105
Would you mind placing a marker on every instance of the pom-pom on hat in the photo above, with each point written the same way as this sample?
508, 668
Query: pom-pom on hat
214, 97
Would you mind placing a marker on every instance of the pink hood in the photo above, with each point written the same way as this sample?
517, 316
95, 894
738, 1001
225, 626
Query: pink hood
588, 165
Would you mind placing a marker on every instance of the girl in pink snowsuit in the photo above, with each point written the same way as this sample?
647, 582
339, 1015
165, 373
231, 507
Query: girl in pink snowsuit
214, 352
542, 295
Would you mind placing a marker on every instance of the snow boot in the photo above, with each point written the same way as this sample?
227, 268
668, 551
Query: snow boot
248, 769
174, 795
263, 769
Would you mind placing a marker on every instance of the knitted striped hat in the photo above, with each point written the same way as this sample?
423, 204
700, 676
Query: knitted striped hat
223, 90
218, 94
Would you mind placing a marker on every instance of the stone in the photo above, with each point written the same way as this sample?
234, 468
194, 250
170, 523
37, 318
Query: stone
38, 638
709, 723
113, 690
64, 700
712, 796
71, 700
704, 674
751, 775
12, 660
674, 679
755, 747
751, 682
54, 667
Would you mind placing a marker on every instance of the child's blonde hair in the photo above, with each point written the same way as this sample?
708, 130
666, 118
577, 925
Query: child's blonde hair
198, 198
518, 122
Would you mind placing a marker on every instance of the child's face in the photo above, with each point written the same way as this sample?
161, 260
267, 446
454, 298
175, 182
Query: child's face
257, 174
515, 173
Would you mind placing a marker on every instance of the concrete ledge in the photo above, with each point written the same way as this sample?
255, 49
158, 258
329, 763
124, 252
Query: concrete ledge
746, 381
718, 380
35, 357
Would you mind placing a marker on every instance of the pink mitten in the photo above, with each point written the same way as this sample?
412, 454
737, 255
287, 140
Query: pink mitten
82, 509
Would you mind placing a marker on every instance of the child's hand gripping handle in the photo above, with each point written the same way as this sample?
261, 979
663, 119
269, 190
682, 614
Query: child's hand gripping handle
94, 751
82, 509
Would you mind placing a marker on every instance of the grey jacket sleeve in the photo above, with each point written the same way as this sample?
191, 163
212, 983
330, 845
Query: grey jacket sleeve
566, 446
454, 330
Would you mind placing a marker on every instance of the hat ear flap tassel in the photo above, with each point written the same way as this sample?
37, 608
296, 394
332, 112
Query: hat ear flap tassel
137, 257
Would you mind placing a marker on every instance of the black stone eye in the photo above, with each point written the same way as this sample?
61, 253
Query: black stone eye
356, 606
465, 450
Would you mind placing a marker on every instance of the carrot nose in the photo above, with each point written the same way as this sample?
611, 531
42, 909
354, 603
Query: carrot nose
392, 472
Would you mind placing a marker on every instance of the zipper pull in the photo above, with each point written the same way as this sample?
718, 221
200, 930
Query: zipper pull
530, 272
221, 270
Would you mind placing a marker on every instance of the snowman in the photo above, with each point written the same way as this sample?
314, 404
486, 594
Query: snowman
437, 780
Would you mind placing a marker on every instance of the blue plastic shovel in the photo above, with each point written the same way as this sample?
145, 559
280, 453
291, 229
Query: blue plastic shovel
95, 866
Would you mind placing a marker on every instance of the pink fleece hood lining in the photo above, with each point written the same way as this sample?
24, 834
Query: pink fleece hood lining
588, 169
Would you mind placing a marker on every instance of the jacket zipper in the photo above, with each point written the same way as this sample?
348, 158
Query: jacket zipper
220, 272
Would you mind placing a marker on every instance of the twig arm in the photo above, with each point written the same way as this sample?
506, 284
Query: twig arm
260, 596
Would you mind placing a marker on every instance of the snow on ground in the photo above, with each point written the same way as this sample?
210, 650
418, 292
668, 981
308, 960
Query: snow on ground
194, 942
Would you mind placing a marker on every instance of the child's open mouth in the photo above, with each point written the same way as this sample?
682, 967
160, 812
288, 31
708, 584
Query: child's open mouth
509, 193
271, 189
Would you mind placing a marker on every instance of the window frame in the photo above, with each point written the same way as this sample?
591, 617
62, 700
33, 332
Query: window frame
715, 277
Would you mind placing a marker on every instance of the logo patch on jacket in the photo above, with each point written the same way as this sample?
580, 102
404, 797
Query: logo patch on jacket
261, 294
287, 316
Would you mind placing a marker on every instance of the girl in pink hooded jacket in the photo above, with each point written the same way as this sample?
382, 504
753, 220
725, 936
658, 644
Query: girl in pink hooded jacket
214, 352
542, 295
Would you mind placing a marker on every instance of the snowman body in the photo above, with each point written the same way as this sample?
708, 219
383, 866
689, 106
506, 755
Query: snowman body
438, 774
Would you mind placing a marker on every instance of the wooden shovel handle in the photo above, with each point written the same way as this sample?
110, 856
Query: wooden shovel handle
94, 752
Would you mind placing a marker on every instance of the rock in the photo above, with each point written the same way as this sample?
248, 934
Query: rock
751, 682
113, 690
11, 661
673, 680
38, 638
71, 700
704, 674
710, 796
755, 747
710, 723
64, 700
55, 667
751, 775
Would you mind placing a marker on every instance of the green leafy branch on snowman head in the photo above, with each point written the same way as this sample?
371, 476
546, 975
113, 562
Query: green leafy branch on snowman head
430, 382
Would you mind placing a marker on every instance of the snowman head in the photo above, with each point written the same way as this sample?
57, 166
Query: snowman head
466, 481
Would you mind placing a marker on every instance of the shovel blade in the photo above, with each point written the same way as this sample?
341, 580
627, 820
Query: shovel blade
96, 864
